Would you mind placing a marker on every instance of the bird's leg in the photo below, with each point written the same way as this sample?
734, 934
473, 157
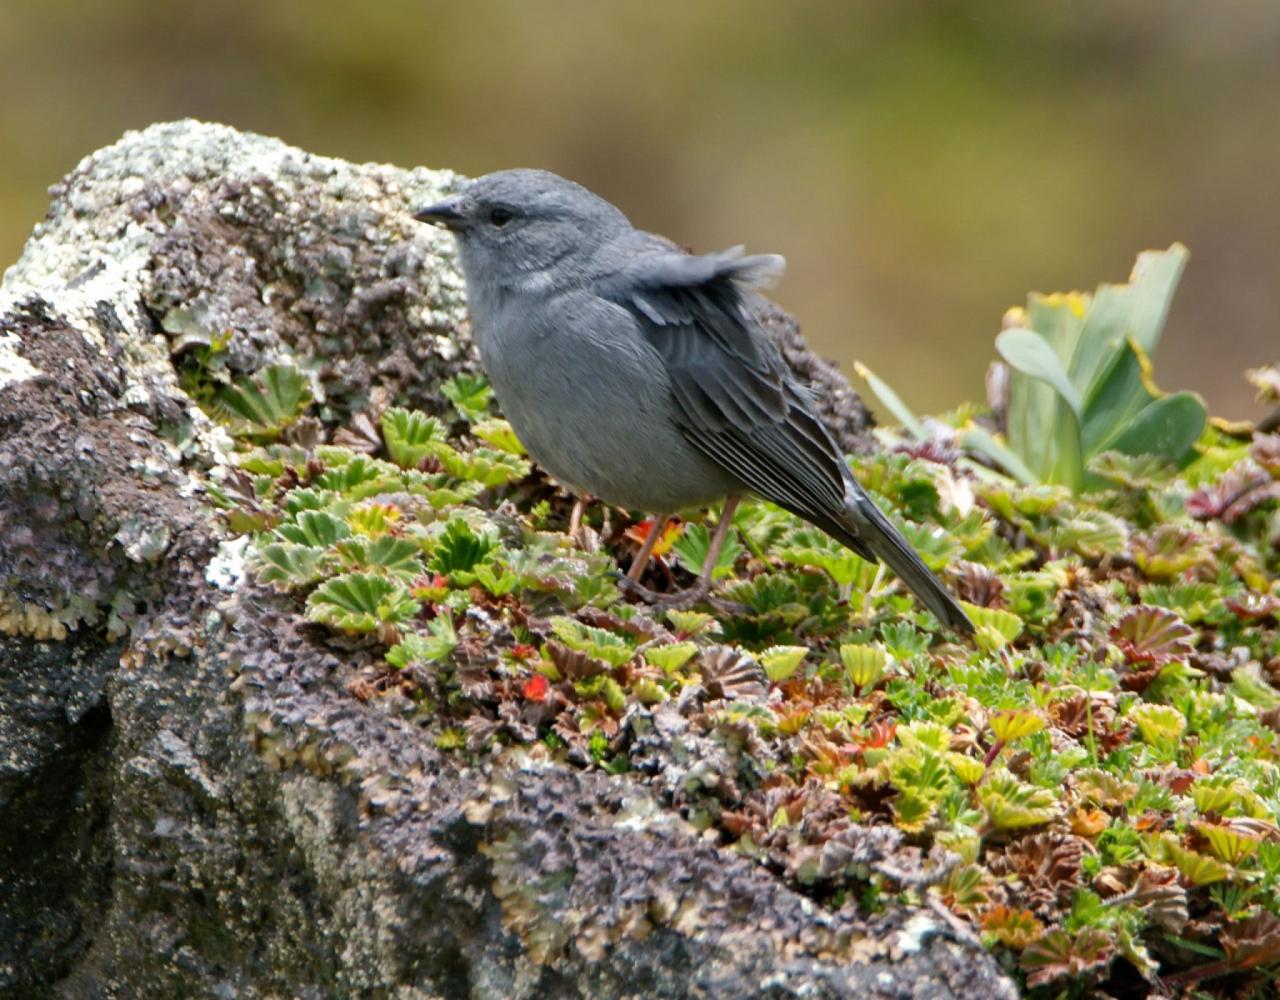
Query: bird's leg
641, 560
717, 543
575, 516
579, 534
702, 586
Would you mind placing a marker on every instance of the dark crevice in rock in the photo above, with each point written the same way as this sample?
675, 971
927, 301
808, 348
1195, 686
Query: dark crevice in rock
55, 801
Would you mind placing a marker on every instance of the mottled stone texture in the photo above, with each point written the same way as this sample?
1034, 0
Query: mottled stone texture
191, 802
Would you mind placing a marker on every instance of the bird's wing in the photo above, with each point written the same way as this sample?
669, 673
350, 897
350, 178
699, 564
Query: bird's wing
738, 401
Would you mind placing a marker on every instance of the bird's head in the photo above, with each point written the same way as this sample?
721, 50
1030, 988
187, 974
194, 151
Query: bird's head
517, 227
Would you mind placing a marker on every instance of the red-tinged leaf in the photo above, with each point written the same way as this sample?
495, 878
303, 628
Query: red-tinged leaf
1252, 607
1148, 634
1012, 928
1254, 942
639, 533
882, 733
535, 688
1058, 955
1242, 488
430, 588
573, 664
1265, 450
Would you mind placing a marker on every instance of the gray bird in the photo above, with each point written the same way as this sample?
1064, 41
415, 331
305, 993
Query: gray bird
637, 372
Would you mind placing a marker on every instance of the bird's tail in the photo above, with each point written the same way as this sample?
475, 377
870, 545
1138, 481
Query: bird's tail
868, 526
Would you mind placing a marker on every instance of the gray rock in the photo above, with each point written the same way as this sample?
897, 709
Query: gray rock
192, 803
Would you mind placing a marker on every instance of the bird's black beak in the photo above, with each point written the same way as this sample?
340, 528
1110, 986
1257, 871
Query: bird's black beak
445, 213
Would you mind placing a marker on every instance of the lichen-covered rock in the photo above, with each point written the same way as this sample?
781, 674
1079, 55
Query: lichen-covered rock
195, 800
835, 400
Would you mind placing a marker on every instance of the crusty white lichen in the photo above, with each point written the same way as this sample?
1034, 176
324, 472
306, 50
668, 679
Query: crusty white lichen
89, 258
13, 366
916, 931
227, 569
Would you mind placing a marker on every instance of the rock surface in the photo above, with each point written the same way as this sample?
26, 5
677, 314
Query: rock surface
191, 800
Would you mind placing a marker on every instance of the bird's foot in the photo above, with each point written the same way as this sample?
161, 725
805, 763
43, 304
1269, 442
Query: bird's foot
680, 600
581, 535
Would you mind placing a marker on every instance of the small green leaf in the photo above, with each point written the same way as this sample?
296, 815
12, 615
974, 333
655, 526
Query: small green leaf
892, 401
692, 622
262, 406
373, 520
1031, 354
360, 602
649, 692
670, 658
1016, 725
781, 662
418, 650
844, 566
1012, 805
1227, 844
968, 769
864, 665
978, 439
1196, 868
486, 466
996, 628
1159, 724
1248, 684
496, 581
393, 555
1167, 428
694, 543
614, 696
358, 477
470, 395
317, 528
296, 565
1220, 794
461, 548
499, 434
410, 435
912, 811
595, 642
1091, 533
924, 735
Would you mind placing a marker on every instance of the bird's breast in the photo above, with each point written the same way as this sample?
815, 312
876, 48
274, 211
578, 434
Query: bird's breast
591, 401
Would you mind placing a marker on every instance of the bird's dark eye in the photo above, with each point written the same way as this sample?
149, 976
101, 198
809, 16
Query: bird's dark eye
500, 216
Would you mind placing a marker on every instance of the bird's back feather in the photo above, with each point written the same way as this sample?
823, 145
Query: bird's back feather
739, 403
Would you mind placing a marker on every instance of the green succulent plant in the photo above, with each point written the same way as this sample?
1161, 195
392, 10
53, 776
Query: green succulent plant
1079, 386
470, 396
262, 406
1080, 380
361, 602
409, 435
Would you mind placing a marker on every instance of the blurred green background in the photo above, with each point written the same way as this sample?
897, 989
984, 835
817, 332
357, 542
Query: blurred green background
920, 164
